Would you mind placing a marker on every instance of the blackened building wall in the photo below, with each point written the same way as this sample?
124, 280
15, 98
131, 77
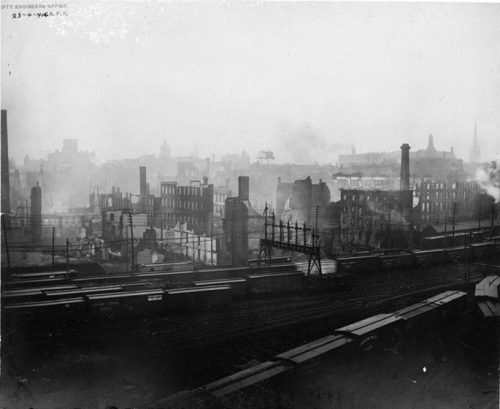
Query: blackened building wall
374, 218
242, 226
303, 198
438, 200
236, 231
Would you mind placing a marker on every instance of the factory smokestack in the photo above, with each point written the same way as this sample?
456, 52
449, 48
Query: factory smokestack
405, 167
5, 166
243, 187
36, 213
142, 181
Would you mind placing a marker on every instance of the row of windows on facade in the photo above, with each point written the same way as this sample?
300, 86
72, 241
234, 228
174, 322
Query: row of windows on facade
170, 217
436, 185
181, 190
362, 197
352, 210
430, 207
76, 220
441, 195
361, 223
220, 197
182, 204
369, 182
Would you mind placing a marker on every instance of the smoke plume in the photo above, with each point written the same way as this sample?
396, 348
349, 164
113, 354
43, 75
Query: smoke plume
489, 179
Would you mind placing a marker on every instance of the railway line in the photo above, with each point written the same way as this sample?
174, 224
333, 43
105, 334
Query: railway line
148, 306
182, 331
251, 329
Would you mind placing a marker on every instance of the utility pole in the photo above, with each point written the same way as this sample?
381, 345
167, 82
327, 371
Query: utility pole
389, 228
67, 254
6, 242
317, 234
232, 236
132, 237
492, 218
317, 209
453, 220
212, 243
479, 211
53, 240
126, 246
273, 221
466, 259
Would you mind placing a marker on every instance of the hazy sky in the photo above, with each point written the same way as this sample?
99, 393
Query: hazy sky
210, 78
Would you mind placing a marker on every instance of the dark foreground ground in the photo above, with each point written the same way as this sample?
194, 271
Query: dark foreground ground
72, 370
454, 366
451, 366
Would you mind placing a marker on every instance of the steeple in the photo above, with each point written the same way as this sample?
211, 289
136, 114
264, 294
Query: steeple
475, 151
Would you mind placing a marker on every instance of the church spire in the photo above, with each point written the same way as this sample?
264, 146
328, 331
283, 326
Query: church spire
475, 151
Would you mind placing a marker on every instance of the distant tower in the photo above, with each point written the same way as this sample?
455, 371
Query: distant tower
36, 213
405, 166
430, 144
475, 152
142, 181
143, 188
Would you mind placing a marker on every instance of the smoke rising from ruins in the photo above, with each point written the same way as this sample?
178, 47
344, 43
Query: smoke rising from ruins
489, 180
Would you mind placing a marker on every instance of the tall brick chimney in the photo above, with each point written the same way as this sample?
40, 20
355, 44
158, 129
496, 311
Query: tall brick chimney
244, 187
142, 181
405, 167
36, 213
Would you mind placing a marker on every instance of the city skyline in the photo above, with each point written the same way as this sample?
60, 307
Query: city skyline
305, 80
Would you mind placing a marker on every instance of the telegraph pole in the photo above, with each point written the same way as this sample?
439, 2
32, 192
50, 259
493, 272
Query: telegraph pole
479, 211
317, 210
212, 243
126, 246
466, 259
492, 217
389, 227
67, 254
453, 220
132, 237
53, 239
6, 243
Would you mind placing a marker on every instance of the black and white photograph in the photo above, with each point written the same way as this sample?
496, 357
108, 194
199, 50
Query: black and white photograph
250, 204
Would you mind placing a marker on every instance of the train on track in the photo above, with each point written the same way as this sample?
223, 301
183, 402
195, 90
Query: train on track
350, 340
372, 263
179, 287
160, 291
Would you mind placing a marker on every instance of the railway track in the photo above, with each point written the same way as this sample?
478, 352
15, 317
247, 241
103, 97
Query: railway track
181, 332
